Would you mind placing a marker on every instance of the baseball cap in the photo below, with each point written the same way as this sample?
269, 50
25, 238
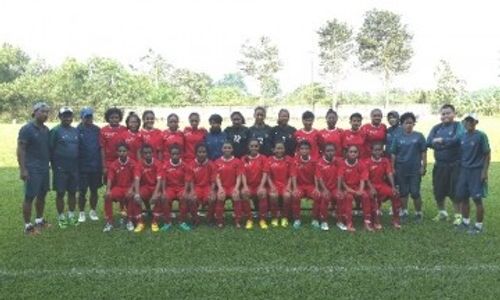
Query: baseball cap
86, 112
65, 109
471, 116
40, 105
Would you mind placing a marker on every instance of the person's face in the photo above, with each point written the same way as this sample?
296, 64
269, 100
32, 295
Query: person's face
279, 150
42, 114
308, 123
173, 123
377, 151
355, 123
470, 124
408, 125
253, 148
88, 120
352, 153
201, 154
215, 126
283, 118
331, 120
147, 153
194, 121
122, 152
133, 124
66, 119
259, 116
304, 150
175, 154
237, 120
329, 152
376, 117
227, 150
114, 120
393, 121
149, 121
447, 115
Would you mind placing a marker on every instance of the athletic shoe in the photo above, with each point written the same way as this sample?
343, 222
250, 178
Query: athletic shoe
130, 226
263, 224
396, 225
377, 226
275, 222
457, 220
237, 225
184, 226
315, 224
73, 221
440, 217
93, 215
155, 227
475, 230
404, 217
368, 226
249, 224
220, 225
42, 225
284, 222
139, 228
123, 213
108, 227
341, 226
324, 226
462, 227
166, 227
62, 223
30, 230
81, 217
350, 228
297, 224
419, 219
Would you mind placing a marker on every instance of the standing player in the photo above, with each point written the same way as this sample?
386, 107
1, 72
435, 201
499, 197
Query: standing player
381, 185
238, 134
393, 130
89, 163
281, 184
309, 134
330, 185
151, 135
472, 183
355, 136
307, 185
254, 184
172, 136
132, 137
228, 179
120, 188
332, 134
444, 139
33, 155
261, 131
409, 159
193, 136
64, 146
110, 137
375, 132
284, 132
354, 175
215, 138
147, 188
175, 187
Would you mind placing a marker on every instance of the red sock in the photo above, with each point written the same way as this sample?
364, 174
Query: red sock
296, 208
323, 212
211, 211
193, 209
347, 210
157, 212
108, 210
316, 209
396, 206
247, 210
219, 211
367, 207
183, 210
274, 207
167, 212
286, 209
263, 208
237, 206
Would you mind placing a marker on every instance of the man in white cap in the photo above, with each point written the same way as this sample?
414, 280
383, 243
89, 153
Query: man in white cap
33, 156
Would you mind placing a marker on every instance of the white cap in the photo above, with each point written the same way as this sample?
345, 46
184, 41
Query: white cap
471, 116
65, 109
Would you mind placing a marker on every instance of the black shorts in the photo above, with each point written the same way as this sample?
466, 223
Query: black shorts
37, 185
469, 184
64, 181
409, 185
444, 180
90, 181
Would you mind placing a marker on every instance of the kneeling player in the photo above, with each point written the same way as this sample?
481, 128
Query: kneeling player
147, 186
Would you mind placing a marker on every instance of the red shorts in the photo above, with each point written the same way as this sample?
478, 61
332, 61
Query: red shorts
384, 191
172, 194
119, 194
202, 193
146, 192
306, 191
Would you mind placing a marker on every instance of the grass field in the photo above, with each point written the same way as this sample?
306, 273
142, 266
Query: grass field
431, 260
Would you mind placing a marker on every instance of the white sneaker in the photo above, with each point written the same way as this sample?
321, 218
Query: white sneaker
93, 215
324, 226
172, 215
130, 226
341, 226
108, 227
315, 224
81, 217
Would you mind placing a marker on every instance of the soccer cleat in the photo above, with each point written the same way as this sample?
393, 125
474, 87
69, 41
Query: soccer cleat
155, 227
220, 225
30, 230
404, 217
297, 224
457, 220
440, 217
377, 226
108, 227
475, 230
237, 225
81, 217
275, 222
93, 215
350, 228
341, 226
139, 228
62, 223
324, 226
130, 226
419, 218
166, 227
396, 225
73, 221
42, 225
263, 224
184, 226
368, 226
315, 224
284, 222
249, 224
462, 227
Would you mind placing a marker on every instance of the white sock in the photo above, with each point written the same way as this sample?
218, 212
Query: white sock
466, 221
71, 214
27, 225
62, 216
479, 225
38, 220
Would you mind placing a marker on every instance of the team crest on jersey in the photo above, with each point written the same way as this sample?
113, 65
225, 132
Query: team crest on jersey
237, 138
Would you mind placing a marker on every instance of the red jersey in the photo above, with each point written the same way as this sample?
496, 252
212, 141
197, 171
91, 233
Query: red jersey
356, 138
332, 136
255, 167
133, 141
306, 169
170, 138
191, 139
378, 170
202, 174
109, 139
149, 174
353, 174
280, 170
328, 172
373, 134
175, 175
312, 137
154, 138
122, 174
228, 171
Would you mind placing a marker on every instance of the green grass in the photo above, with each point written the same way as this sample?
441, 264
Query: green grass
420, 261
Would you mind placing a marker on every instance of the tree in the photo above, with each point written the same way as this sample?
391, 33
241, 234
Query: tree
261, 61
234, 80
156, 67
335, 44
313, 93
449, 88
192, 86
13, 62
384, 45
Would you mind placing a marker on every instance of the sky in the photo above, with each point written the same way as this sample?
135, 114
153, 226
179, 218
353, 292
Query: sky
206, 35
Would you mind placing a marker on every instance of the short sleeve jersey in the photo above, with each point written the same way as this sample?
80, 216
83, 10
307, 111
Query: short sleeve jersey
408, 149
154, 138
332, 136
170, 138
312, 137
228, 171
473, 149
378, 170
191, 139
36, 139
110, 139
148, 174
64, 145
202, 174
328, 172
281, 169
255, 167
122, 174
306, 170
353, 174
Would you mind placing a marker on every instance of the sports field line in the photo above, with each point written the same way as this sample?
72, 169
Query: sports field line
173, 271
